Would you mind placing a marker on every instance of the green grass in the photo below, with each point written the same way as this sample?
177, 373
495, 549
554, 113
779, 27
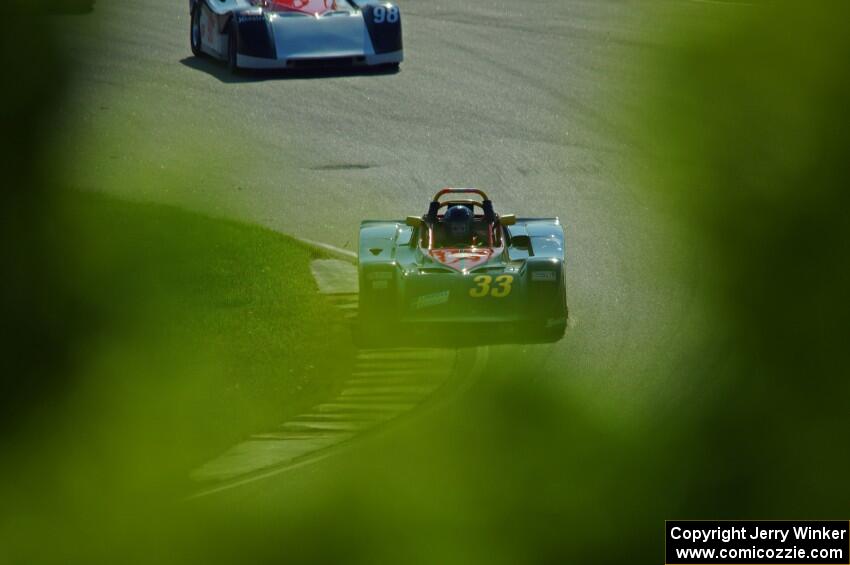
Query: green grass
146, 341
199, 331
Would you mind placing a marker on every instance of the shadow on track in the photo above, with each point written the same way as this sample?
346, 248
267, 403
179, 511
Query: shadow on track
220, 71
454, 335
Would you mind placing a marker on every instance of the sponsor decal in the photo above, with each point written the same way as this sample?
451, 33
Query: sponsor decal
547, 276
248, 18
380, 285
380, 276
429, 300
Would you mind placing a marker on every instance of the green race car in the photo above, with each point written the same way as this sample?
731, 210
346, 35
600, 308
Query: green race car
462, 272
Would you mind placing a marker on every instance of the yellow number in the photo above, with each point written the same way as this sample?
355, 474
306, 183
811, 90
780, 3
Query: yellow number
505, 283
483, 286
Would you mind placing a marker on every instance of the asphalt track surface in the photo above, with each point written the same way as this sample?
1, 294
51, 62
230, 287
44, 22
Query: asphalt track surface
528, 100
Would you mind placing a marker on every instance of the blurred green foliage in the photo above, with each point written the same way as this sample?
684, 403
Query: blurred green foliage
39, 312
752, 150
57, 7
746, 122
199, 332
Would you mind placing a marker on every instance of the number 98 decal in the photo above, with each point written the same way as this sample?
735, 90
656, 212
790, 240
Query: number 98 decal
382, 14
486, 286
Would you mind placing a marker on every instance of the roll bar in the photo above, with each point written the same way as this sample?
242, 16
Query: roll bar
464, 202
445, 191
485, 204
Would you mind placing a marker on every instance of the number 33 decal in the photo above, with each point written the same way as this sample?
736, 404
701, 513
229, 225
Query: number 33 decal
382, 14
484, 286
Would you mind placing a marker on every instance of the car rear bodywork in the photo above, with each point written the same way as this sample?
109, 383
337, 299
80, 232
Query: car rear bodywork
301, 33
512, 291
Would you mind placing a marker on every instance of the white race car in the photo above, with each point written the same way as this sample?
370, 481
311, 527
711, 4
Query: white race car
274, 34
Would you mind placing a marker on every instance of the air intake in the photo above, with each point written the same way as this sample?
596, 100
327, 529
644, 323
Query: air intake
322, 63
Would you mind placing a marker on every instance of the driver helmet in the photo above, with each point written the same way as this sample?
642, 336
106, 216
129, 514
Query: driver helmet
459, 222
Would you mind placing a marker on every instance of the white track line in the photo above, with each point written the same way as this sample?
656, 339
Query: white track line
327, 247
482, 355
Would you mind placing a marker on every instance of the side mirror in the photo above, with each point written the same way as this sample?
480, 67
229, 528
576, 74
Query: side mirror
507, 219
414, 221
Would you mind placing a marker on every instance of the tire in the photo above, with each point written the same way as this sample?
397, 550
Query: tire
195, 31
375, 327
542, 332
553, 334
366, 337
539, 331
232, 49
